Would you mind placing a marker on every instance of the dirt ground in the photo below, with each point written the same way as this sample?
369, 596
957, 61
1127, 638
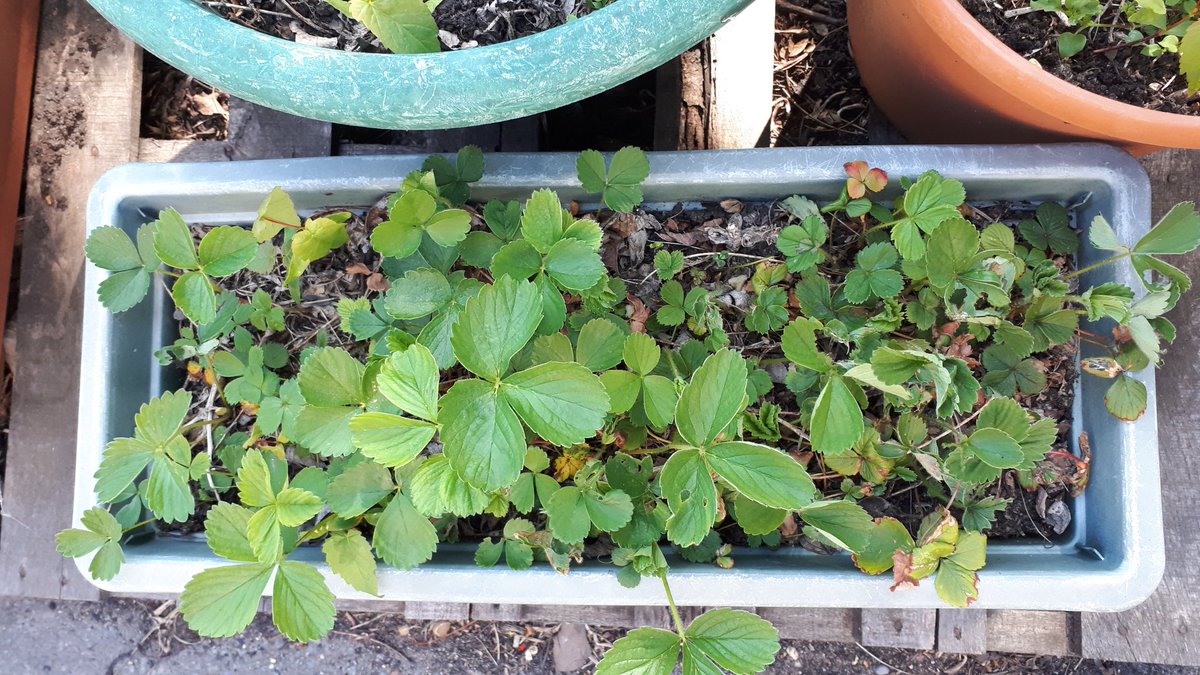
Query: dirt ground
127, 637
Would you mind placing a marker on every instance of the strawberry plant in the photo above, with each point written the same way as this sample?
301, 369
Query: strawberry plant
1154, 27
506, 379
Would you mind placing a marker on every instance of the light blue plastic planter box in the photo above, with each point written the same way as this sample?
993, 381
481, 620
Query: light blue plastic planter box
422, 91
1111, 558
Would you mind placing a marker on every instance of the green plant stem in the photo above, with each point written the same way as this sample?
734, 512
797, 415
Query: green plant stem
168, 273
200, 425
137, 525
1096, 266
671, 603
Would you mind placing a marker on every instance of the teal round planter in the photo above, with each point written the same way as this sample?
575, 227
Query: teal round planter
421, 91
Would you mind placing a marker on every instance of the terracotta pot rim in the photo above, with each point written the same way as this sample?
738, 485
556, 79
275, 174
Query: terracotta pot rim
996, 61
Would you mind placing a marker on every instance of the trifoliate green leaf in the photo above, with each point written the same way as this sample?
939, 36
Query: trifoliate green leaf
1008, 372
503, 218
1126, 398
495, 325
403, 26
404, 537
837, 420
801, 244
769, 312
358, 488
194, 295
873, 276
301, 604
563, 403
227, 250
712, 399
418, 293
222, 601
763, 474
738, 641
518, 259
173, 241
621, 183
448, 228
483, 437
667, 264
102, 534
1051, 230
1048, 323
643, 651
315, 241
932, 200
454, 180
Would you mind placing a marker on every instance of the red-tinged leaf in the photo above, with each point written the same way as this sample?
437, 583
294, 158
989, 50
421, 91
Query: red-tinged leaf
857, 170
855, 188
876, 180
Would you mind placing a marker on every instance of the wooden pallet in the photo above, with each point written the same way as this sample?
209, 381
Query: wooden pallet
85, 66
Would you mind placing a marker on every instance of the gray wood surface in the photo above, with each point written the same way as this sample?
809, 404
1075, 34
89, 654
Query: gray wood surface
962, 631
718, 95
908, 628
820, 625
85, 117
1164, 629
437, 611
255, 132
1049, 633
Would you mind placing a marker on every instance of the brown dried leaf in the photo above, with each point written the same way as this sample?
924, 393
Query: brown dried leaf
731, 206
902, 566
641, 314
378, 283
358, 268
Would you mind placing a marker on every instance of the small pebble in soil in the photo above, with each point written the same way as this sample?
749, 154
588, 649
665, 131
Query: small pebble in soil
882, 670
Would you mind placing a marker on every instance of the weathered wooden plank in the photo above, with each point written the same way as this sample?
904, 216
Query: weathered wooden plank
822, 625
718, 94
908, 628
962, 631
1045, 633
85, 118
1164, 628
255, 132
598, 615
437, 611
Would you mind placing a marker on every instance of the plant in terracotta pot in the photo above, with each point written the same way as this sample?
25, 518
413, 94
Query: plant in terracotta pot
286, 57
1033, 70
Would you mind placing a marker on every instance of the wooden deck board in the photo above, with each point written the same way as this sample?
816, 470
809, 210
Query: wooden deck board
1164, 628
85, 116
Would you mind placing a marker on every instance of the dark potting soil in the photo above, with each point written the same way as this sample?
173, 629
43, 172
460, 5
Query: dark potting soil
1122, 74
722, 241
177, 106
464, 23
819, 99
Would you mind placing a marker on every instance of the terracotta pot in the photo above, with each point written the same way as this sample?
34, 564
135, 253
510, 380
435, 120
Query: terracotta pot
941, 77
17, 56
